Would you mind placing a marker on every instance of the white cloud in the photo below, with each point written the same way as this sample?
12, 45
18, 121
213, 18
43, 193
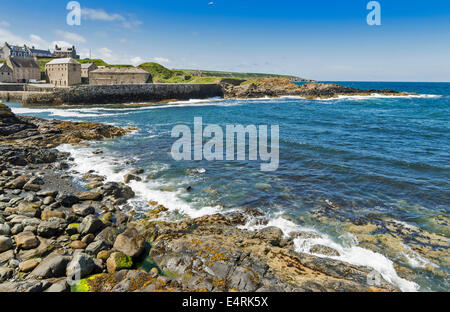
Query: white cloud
71, 36
4, 24
100, 15
161, 59
136, 60
9, 37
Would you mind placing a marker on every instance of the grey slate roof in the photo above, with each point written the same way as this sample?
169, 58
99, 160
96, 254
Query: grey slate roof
61, 61
25, 62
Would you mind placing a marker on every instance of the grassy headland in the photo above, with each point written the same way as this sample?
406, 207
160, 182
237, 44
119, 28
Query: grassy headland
161, 74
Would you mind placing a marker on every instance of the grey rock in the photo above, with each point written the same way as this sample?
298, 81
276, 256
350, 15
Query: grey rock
6, 256
58, 287
67, 200
108, 235
6, 243
53, 265
5, 273
16, 229
5, 229
81, 266
130, 243
90, 224
97, 246
83, 209
52, 227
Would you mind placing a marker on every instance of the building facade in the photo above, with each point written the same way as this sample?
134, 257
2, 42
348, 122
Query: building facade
63, 72
22, 51
24, 68
65, 52
86, 68
6, 73
116, 75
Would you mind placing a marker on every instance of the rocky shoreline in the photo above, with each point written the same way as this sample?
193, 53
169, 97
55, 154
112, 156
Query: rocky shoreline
278, 87
54, 231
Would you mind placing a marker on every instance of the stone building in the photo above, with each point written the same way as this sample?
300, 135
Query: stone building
118, 75
24, 68
63, 72
65, 52
22, 51
86, 68
6, 73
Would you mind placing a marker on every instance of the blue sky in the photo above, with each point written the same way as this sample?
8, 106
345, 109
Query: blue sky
321, 39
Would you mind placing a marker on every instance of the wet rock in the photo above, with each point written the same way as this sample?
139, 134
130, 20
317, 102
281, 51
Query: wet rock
78, 245
92, 195
48, 214
67, 200
83, 209
6, 256
44, 248
52, 227
72, 228
131, 177
26, 240
117, 190
324, 250
48, 200
130, 243
58, 287
30, 187
118, 261
5, 273
29, 209
53, 265
5, 229
6, 243
95, 247
17, 183
16, 229
272, 235
108, 235
90, 224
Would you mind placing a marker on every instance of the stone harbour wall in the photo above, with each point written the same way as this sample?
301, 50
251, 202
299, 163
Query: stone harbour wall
117, 94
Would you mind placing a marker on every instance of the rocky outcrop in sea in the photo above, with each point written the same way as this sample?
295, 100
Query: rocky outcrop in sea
277, 87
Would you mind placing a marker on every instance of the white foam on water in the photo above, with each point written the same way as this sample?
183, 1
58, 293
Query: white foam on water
352, 253
379, 96
80, 113
416, 260
112, 168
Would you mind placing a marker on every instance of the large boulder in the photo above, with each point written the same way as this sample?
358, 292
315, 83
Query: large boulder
17, 183
118, 261
83, 209
51, 228
130, 243
6, 243
26, 240
53, 265
90, 224
81, 266
67, 200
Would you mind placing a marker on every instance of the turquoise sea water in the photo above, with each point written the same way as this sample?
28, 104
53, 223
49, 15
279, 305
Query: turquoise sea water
366, 155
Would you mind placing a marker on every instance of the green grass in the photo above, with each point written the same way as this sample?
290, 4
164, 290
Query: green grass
162, 74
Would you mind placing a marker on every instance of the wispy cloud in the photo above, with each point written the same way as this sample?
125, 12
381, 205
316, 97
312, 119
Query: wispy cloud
161, 59
4, 24
130, 21
100, 15
71, 36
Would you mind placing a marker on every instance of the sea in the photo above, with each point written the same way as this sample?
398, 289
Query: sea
373, 157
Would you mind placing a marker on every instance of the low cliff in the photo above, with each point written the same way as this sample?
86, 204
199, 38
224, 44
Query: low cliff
114, 94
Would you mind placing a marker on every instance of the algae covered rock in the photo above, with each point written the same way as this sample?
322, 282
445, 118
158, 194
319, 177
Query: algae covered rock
118, 261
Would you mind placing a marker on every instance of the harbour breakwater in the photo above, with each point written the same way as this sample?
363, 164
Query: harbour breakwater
116, 94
